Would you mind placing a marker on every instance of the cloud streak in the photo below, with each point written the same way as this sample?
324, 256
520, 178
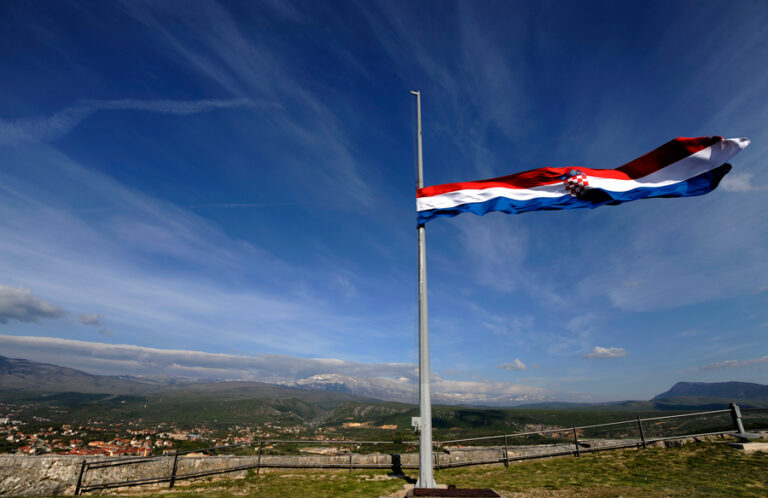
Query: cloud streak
249, 67
157, 361
59, 124
735, 363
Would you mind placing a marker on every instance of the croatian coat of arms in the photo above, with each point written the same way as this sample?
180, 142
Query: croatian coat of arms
576, 182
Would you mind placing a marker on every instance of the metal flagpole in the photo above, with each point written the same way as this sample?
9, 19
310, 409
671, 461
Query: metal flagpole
424, 421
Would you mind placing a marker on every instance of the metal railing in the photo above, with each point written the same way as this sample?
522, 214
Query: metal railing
547, 442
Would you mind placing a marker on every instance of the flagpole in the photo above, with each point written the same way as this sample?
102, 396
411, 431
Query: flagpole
424, 422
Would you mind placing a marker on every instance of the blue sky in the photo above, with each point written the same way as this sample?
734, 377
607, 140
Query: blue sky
226, 190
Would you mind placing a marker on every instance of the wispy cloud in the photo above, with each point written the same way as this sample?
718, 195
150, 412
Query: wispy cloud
94, 356
584, 324
208, 39
90, 319
735, 363
59, 124
515, 365
606, 353
20, 304
236, 205
217, 283
742, 182
496, 248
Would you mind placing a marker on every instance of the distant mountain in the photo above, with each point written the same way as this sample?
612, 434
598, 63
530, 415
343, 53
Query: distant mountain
25, 377
381, 388
732, 390
685, 395
17, 375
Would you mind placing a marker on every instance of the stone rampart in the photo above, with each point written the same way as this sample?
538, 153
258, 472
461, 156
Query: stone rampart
22, 475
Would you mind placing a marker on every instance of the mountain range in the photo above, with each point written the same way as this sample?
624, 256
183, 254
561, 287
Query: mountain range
20, 378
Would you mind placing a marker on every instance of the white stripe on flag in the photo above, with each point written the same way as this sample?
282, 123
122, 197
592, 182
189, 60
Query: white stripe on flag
680, 171
469, 196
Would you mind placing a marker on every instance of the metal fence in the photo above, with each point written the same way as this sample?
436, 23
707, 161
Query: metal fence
546, 442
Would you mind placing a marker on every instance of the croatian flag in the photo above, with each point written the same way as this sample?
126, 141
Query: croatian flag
682, 167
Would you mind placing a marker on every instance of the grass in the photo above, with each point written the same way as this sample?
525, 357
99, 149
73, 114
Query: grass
698, 469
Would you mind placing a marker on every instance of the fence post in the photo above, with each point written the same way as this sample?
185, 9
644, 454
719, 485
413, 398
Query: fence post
506, 452
80, 478
258, 462
576, 441
642, 436
175, 467
350, 458
736, 416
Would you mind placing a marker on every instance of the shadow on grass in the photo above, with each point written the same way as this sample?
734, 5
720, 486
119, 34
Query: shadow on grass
397, 470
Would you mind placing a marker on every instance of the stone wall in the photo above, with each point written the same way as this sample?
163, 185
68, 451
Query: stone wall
22, 475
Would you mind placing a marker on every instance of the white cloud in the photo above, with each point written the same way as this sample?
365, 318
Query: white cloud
19, 304
515, 365
603, 353
55, 126
735, 363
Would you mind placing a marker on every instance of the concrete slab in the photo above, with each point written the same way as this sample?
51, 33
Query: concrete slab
750, 447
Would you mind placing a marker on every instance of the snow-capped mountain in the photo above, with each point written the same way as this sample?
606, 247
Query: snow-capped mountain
443, 391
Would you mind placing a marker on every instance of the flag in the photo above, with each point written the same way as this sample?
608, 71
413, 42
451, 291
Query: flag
682, 167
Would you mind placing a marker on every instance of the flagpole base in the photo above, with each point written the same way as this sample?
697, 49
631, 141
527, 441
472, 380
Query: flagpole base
426, 485
452, 491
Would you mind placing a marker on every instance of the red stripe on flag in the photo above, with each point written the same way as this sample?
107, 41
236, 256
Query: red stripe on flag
669, 153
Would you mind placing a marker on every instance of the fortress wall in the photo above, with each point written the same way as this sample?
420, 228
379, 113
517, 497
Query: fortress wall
24, 475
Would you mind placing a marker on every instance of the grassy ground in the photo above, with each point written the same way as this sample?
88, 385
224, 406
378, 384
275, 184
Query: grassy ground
700, 469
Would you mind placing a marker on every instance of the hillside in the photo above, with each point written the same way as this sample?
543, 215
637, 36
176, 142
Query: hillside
684, 395
24, 376
733, 390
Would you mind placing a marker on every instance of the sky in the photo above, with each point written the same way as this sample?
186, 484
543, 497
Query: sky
225, 190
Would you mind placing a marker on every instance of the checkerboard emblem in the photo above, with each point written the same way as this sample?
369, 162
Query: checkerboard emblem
576, 182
